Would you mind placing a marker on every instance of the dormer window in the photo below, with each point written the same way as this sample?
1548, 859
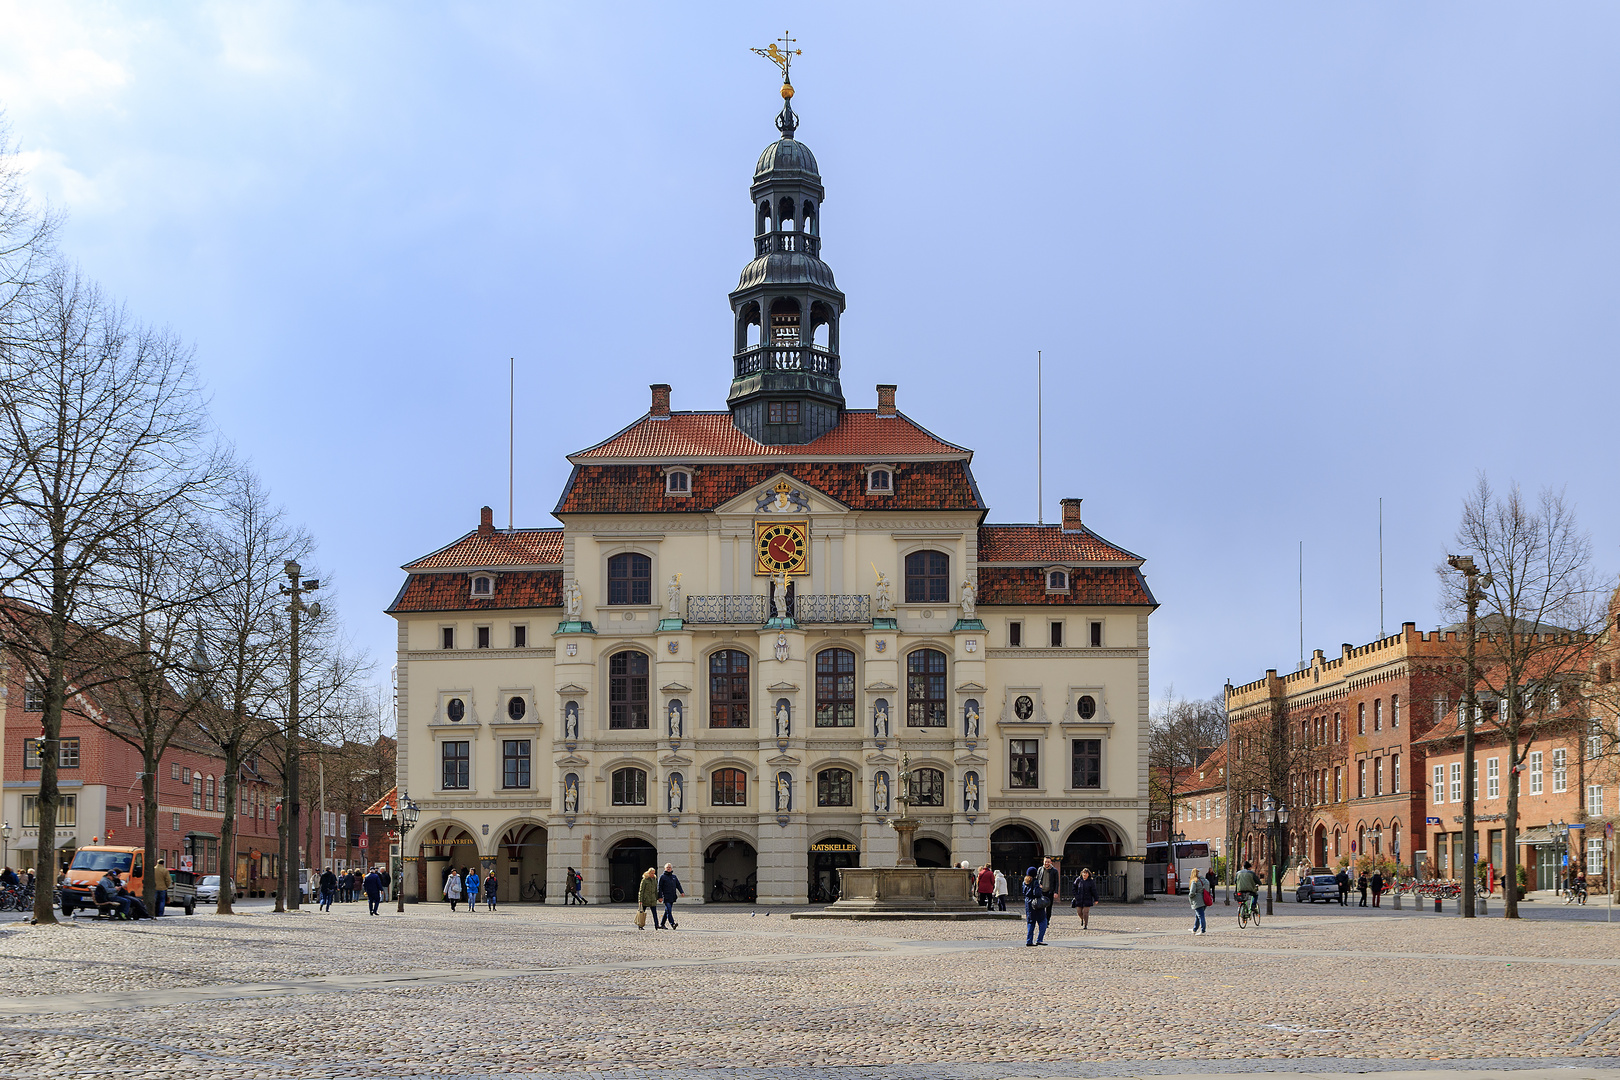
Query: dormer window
677, 482
483, 585
880, 479
1057, 580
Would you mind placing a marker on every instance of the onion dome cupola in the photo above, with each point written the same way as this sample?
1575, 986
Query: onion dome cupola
786, 307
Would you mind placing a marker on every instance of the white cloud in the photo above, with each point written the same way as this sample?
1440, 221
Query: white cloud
62, 55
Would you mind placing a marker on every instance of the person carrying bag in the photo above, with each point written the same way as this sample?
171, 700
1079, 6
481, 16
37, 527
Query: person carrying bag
646, 897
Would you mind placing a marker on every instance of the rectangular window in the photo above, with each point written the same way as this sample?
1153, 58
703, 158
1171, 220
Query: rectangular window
1338, 783
1087, 763
1474, 785
1057, 635
1378, 776
1594, 799
196, 795
1361, 718
1024, 757
1439, 783
1535, 772
1456, 781
515, 763
1015, 634
1378, 714
33, 698
1096, 635
520, 637
30, 753
784, 412
456, 761
1395, 774
1594, 746
1361, 779
1394, 711
1493, 777
69, 757
1594, 856
447, 637
67, 811
174, 770
174, 825
483, 637
1560, 771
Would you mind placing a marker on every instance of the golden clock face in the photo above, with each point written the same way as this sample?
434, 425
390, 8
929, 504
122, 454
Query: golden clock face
782, 547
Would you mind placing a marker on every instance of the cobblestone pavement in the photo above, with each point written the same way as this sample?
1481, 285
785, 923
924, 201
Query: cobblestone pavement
736, 993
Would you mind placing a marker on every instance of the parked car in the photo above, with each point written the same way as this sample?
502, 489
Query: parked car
208, 889
1317, 887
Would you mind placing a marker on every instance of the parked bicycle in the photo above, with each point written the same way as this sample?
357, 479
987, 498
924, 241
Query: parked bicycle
534, 889
823, 895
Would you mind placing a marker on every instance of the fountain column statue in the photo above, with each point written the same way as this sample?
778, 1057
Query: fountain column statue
905, 825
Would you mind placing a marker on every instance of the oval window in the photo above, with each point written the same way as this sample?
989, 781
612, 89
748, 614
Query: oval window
515, 708
1024, 707
1088, 706
455, 710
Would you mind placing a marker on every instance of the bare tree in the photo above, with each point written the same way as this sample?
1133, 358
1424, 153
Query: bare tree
1540, 605
27, 239
1181, 733
1272, 762
106, 427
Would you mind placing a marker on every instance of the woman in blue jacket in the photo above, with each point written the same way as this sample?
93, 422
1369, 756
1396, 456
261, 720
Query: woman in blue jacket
1085, 897
1037, 907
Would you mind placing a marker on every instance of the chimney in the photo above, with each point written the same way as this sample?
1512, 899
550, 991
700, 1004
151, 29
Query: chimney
1071, 515
486, 522
660, 401
885, 399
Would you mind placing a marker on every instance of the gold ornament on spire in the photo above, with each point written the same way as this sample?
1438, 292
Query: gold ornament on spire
782, 58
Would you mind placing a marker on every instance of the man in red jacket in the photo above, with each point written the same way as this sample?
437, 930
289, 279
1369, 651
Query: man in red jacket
986, 885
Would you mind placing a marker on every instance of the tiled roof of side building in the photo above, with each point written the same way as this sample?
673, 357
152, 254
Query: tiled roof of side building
450, 592
689, 436
520, 547
639, 489
1046, 544
1088, 586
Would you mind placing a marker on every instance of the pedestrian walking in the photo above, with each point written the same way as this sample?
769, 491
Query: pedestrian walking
1085, 897
491, 887
1001, 891
1343, 880
1361, 886
164, 882
1037, 907
471, 886
1050, 880
328, 888
986, 884
571, 894
669, 888
452, 888
647, 897
1377, 886
373, 884
1199, 900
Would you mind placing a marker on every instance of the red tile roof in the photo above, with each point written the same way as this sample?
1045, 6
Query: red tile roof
1046, 544
390, 800
639, 489
522, 547
686, 436
450, 592
1088, 586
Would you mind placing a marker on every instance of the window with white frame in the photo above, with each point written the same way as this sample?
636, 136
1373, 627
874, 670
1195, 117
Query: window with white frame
1361, 779
1057, 581
1475, 781
1378, 776
678, 482
1594, 799
1493, 778
879, 481
1594, 744
1394, 774
1560, 770
1456, 781
1378, 714
1439, 783
1441, 706
33, 697
483, 585
1394, 711
1594, 855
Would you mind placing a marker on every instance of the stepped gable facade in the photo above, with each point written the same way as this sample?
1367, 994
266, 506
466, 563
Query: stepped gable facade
761, 633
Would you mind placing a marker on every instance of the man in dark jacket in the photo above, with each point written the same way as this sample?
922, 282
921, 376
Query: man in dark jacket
1343, 878
328, 887
1361, 887
1049, 880
669, 888
374, 889
1377, 886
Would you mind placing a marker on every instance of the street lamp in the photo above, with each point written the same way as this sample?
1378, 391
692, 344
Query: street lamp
1560, 843
404, 821
1476, 583
1274, 829
5, 839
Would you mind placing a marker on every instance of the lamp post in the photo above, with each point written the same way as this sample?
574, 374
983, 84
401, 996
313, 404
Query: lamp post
1476, 584
1560, 844
5, 839
1273, 828
404, 821
295, 589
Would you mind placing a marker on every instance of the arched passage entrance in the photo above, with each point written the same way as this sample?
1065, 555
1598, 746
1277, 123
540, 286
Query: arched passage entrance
445, 845
627, 861
827, 856
1319, 848
731, 870
1014, 849
930, 852
521, 862
1092, 844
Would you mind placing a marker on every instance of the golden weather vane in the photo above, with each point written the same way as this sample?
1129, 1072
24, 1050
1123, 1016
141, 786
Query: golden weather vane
782, 58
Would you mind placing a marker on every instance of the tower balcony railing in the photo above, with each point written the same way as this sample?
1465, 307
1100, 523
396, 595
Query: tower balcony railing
811, 358
802, 242
754, 608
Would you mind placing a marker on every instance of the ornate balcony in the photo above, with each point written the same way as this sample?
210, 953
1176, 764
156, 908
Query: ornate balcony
754, 609
810, 358
772, 242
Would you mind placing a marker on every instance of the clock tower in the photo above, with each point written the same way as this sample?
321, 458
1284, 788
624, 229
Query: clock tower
786, 307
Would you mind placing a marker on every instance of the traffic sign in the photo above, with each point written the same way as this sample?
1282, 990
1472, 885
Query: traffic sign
365, 841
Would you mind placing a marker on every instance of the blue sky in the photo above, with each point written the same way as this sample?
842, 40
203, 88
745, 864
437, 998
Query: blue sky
1282, 259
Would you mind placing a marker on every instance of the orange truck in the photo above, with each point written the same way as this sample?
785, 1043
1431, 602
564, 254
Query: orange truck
91, 863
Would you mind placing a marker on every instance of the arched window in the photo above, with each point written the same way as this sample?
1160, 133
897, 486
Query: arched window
928, 577
925, 689
1057, 581
835, 688
629, 787
728, 689
835, 787
927, 787
728, 787
630, 579
627, 690
880, 480
482, 585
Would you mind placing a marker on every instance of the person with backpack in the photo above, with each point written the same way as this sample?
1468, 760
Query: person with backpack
1037, 907
1085, 897
574, 882
1198, 898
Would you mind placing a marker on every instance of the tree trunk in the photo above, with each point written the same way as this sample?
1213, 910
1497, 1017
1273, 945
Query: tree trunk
1510, 838
149, 812
227, 826
49, 749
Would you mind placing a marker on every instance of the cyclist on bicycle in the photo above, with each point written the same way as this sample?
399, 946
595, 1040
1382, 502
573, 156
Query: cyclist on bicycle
1248, 884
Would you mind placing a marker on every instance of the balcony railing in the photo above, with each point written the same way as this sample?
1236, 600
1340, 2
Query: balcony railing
755, 608
811, 358
767, 243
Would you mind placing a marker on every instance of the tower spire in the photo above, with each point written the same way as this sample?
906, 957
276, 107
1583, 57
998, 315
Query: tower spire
786, 121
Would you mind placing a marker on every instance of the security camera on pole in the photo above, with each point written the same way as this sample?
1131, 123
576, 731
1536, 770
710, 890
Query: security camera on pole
296, 607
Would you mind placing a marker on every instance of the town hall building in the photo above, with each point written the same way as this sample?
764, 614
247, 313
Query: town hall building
751, 621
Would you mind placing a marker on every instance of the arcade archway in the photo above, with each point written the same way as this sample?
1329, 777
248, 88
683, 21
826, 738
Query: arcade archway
731, 872
1014, 849
627, 861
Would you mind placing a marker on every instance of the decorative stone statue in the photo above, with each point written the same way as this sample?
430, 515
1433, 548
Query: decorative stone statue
571, 794
676, 795
880, 720
779, 596
970, 598
677, 721
882, 596
674, 592
784, 719
880, 793
970, 720
781, 650
784, 793
572, 600
571, 720
970, 792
